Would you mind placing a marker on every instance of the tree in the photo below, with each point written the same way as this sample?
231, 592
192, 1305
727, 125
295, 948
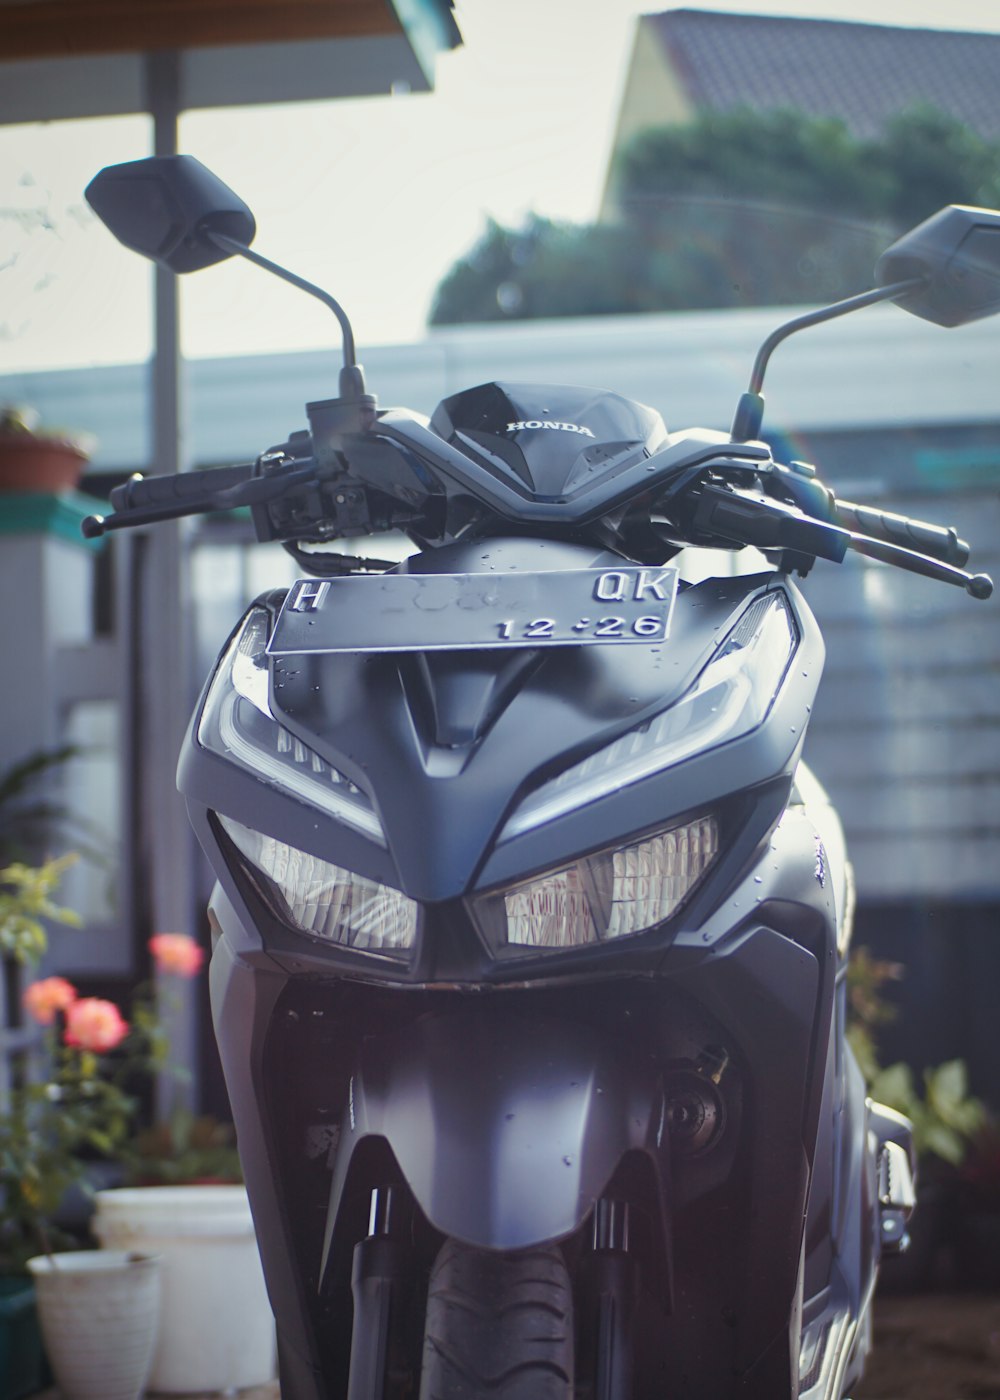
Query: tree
734, 209
546, 269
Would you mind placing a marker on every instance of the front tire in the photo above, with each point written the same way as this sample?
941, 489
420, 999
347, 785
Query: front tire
498, 1326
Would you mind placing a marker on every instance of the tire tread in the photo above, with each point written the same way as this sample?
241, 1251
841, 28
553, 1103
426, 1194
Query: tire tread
498, 1326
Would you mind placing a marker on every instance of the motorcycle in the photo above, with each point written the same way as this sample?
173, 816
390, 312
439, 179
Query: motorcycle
530, 926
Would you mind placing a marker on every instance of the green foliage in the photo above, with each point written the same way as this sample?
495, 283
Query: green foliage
25, 900
545, 269
185, 1148
780, 157
867, 1008
947, 1120
87, 1106
930, 160
87, 1103
46, 1136
737, 208
28, 821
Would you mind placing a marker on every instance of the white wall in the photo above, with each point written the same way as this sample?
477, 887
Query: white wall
877, 368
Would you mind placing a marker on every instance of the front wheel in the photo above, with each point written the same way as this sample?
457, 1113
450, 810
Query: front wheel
498, 1325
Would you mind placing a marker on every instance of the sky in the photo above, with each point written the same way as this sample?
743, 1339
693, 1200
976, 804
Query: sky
372, 198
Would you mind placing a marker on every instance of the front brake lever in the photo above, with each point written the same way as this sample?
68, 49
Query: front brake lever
261, 489
976, 585
254, 491
743, 519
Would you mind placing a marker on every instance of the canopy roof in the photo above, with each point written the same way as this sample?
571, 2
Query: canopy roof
85, 58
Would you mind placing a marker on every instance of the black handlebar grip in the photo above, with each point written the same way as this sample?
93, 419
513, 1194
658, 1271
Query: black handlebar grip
184, 488
939, 541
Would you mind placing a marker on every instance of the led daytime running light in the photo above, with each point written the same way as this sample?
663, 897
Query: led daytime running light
237, 724
731, 697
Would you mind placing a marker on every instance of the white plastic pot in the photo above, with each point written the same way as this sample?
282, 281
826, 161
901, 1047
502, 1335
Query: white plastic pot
98, 1311
216, 1326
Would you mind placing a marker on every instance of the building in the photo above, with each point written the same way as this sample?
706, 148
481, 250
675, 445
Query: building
687, 61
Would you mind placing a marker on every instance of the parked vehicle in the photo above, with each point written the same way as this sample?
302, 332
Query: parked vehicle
530, 926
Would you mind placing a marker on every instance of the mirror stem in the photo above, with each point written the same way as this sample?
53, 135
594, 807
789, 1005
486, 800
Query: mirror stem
750, 411
232, 245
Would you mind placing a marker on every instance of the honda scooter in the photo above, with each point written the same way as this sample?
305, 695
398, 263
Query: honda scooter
531, 927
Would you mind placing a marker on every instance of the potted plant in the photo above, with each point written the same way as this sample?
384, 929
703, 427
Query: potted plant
25, 899
36, 459
190, 1207
214, 1326
98, 1315
50, 1121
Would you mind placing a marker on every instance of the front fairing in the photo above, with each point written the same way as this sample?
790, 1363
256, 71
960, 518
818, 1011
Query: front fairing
446, 745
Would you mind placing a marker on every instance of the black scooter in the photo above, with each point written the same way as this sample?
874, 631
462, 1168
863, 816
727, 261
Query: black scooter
530, 926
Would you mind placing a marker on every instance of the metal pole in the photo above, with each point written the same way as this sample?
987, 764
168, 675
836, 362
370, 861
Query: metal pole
165, 640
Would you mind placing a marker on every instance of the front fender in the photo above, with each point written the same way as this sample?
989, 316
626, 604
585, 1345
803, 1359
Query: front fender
506, 1128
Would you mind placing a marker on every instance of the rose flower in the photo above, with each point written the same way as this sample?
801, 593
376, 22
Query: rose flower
177, 953
43, 999
93, 1024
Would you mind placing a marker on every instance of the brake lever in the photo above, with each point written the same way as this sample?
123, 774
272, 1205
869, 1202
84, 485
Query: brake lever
256, 491
261, 489
976, 585
743, 519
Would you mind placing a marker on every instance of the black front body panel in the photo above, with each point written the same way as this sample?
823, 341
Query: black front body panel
504, 1115
471, 1083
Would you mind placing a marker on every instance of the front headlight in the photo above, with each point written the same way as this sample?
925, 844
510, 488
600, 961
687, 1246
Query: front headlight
237, 724
731, 697
614, 894
326, 901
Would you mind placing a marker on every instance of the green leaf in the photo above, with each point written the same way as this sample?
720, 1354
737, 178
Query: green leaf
895, 1088
945, 1143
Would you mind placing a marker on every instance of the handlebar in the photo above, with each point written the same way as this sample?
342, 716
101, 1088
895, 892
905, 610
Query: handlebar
939, 541
714, 499
193, 488
150, 500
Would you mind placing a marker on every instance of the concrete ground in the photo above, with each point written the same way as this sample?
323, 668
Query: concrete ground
256, 1392
934, 1347
927, 1347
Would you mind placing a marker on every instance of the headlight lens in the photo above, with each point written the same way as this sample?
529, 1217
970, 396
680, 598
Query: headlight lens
237, 724
614, 894
730, 698
326, 901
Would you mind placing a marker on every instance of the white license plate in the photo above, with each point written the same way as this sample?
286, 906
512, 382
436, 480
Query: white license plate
454, 612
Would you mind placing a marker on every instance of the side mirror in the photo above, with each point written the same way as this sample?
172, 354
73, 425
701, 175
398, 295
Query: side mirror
167, 208
957, 252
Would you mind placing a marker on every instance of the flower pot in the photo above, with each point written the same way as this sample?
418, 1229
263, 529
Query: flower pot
22, 1360
216, 1326
42, 464
99, 1311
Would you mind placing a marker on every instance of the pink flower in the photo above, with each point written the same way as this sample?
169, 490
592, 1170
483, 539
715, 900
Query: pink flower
176, 952
43, 999
92, 1024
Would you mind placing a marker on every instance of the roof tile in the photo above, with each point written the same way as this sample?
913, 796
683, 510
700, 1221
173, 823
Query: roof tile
862, 73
